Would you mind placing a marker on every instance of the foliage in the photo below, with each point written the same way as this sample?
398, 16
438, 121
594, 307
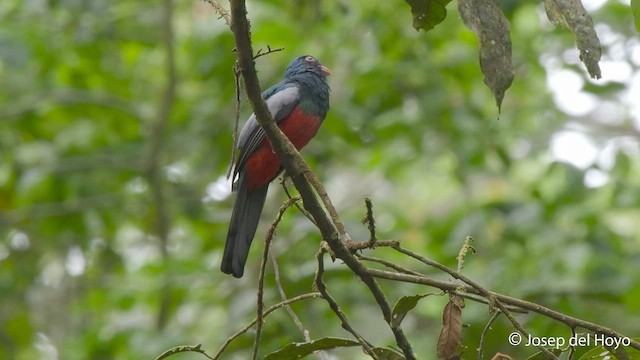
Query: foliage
86, 272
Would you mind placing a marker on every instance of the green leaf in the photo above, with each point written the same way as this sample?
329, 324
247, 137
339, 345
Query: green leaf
300, 350
427, 13
403, 306
602, 353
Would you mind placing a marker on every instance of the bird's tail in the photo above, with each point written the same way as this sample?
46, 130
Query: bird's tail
244, 222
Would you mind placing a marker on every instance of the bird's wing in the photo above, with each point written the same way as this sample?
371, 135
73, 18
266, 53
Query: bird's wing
280, 104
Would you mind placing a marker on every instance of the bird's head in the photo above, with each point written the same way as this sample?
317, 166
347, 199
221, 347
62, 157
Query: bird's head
304, 64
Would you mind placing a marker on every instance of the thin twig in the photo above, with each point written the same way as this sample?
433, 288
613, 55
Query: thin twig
503, 299
388, 264
370, 221
269, 310
292, 314
485, 331
236, 122
283, 297
355, 246
481, 290
322, 288
238, 85
221, 11
283, 182
269, 51
465, 295
263, 265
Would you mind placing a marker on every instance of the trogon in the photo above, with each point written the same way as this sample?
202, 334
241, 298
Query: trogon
299, 104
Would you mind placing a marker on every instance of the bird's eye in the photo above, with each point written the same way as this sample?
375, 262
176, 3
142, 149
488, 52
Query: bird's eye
310, 59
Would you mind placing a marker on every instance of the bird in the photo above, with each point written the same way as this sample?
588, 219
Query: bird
299, 103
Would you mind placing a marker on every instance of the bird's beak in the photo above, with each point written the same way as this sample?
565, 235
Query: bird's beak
325, 69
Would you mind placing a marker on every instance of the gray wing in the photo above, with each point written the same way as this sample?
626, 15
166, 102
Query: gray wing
280, 105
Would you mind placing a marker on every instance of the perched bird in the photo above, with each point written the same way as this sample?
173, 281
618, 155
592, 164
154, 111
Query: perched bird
299, 104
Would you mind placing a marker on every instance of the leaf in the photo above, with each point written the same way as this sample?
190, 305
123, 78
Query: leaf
300, 350
635, 10
403, 306
602, 353
620, 353
485, 19
388, 354
451, 334
572, 15
427, 13
596, 353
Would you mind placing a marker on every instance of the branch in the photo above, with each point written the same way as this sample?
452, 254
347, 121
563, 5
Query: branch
330, 225
300, 173
493, 300
570, 321
322, 288
268, 311
263, 265
486, 329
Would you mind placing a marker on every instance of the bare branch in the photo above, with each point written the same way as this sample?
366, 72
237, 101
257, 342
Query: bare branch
370, 222
486, 329
322, 288
221, 11
266, 312
263, 265
283, 182
296, 166
503, 299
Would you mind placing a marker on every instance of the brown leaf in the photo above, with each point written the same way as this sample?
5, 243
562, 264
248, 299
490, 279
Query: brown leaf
451, 334
572, 15
487, 21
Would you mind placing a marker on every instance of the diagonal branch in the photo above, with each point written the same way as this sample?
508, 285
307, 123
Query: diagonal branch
570, 321
300, 173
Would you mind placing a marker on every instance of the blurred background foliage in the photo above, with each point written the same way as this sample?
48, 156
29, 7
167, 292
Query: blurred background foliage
111, 231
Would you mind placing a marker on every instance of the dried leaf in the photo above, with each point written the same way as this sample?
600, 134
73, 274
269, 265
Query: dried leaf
485, 19
427, 13
572, 15
451, 334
